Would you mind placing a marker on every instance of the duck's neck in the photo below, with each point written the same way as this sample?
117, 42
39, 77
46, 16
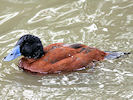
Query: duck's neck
30, 60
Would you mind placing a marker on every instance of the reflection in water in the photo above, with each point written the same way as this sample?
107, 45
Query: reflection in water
105, 24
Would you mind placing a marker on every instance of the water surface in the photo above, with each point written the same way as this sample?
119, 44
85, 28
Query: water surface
105, 24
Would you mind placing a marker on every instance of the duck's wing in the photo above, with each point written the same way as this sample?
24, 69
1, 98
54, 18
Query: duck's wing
59, 51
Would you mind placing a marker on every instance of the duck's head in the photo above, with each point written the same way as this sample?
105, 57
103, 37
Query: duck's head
29, 46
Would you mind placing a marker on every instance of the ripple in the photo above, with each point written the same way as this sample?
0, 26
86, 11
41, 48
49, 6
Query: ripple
22, 1
46, 14
7, 17
52, 14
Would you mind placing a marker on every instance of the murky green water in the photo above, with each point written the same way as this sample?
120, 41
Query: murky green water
105, 24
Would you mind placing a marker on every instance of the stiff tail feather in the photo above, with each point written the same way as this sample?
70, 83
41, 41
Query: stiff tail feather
114, 54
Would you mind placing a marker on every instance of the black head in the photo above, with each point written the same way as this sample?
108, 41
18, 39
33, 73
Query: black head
30, 46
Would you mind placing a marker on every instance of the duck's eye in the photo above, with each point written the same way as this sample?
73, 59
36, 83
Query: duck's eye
26, 43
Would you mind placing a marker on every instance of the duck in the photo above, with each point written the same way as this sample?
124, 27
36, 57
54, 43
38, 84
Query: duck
57, 57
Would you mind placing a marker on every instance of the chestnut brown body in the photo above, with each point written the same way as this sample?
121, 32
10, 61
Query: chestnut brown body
60, 57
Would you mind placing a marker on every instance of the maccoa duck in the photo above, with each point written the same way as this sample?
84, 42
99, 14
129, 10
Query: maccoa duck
54, 58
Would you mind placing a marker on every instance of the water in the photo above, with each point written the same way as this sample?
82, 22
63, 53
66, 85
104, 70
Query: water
105, 24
